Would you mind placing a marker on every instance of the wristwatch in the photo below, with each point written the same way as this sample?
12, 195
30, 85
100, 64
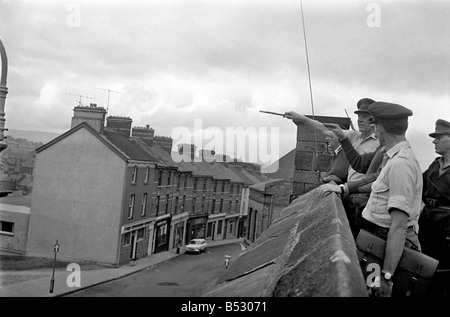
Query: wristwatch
387, 276
342, 186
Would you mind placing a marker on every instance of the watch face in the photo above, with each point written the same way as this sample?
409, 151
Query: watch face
387, 276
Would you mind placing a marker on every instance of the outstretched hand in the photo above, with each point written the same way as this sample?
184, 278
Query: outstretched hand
292, 115
336, 129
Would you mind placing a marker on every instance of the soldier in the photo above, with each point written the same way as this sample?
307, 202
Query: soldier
434, 221
394, 205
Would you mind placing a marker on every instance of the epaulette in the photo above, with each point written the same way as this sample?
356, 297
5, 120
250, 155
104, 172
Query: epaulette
403, 154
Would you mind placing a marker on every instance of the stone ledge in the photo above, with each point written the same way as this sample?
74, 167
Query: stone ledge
307, 251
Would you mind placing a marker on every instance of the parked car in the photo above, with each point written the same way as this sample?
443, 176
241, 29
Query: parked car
196, 246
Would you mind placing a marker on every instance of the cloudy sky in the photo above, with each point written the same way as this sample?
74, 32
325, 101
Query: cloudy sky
221, 61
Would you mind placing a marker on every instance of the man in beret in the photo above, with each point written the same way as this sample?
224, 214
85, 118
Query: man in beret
434, 221
394, 205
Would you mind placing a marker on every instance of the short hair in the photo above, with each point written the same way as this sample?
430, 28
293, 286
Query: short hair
396, 128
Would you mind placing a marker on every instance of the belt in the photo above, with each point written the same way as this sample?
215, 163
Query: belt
434, 203
378, 230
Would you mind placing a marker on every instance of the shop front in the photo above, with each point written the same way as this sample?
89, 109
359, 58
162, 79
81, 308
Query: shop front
162, 235
197, 227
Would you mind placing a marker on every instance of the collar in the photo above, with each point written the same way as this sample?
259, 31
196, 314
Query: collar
372, 136
441, 164
338, 149
396, 148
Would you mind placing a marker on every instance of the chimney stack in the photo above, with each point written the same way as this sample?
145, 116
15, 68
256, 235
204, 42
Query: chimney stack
123, 124
93, 115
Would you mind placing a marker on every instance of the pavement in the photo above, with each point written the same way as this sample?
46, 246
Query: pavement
36, 283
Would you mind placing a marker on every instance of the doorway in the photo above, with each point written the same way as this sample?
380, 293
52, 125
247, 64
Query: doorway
133, 245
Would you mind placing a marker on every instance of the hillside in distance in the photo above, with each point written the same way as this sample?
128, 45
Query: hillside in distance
34, 136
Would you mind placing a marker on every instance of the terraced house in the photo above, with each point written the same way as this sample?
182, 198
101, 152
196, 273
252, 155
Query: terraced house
111, 193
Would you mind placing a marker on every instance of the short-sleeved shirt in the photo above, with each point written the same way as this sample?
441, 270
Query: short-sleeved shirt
362, 145
399, 185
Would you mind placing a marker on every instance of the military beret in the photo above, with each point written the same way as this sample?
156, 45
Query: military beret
363, 104
389, 112
442, 127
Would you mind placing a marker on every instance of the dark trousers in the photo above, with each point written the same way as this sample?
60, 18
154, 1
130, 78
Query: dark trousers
354, 205
434, 236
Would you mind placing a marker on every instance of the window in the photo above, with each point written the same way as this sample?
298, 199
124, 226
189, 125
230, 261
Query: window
126, 239
144, 204
176, 205
213, 205
131, 207
162, 234
6, 227
147, 174
140, 234
203, 205
193, 204
195, 183
204, 184
219, 227
231, 227
159, 178
169, 178
134, 176
184, 202
221, 205
167, 203
179, 181
175, 183
215, 186
157, 205
185, 181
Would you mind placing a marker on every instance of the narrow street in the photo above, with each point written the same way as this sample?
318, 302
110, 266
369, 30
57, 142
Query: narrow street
188, 275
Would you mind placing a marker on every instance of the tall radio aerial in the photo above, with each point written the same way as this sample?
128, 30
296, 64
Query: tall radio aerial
109, 92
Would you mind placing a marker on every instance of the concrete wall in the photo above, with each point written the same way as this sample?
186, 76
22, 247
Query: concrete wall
18, 215
77, 200
308, 251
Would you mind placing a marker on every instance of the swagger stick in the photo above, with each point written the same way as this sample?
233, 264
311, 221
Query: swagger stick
274, 113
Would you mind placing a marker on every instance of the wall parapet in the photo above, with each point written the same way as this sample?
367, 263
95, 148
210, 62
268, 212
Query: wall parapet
308, 251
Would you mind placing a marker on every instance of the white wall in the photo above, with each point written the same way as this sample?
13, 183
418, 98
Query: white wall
77, 200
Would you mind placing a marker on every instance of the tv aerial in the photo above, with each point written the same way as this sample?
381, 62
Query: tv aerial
79, 101
109, 92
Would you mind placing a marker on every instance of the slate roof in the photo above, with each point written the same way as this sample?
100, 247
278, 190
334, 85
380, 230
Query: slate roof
128, 146
247, 178
283, 168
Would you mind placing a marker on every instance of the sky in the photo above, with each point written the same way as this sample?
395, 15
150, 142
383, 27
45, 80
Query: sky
196, 70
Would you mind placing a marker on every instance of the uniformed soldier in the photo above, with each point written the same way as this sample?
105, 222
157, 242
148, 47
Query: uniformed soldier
434, 222
394, 205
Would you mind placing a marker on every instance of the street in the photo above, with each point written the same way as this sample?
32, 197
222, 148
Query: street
188, 275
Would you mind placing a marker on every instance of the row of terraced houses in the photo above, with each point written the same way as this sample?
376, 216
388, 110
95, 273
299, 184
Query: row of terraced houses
111, 193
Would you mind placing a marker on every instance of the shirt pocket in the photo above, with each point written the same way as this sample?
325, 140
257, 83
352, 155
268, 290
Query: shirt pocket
380, 192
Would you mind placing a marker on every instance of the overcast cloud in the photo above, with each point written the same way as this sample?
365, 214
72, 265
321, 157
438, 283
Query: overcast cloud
222, 61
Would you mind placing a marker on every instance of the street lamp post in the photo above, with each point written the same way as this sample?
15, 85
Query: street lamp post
52, 281
3, 93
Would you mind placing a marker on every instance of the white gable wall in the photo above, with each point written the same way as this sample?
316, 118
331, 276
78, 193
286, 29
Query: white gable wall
77, 200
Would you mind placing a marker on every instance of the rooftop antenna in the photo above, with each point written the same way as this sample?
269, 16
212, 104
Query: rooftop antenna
79, 102
109, 92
